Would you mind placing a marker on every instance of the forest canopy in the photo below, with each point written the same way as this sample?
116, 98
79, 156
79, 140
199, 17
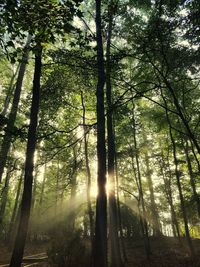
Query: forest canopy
99, 133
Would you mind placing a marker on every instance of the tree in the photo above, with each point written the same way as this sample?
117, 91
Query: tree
100, 243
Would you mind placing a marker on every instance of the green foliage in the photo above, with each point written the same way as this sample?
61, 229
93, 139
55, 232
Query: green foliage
68, 249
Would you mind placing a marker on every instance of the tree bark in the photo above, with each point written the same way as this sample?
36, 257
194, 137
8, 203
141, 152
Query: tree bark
13, 113
9, 92
4, 196
43, 186
181, 114
19, 245
100, 244
154, 211
168, 192
14, 213
124, 255
89, 205
177, 174
192, 180
141, 196
113, 228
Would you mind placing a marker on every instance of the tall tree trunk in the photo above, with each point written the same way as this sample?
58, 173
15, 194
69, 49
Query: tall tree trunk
191, 175
57, 192
122, 234
4, 196
14, 213
168, 192
183, 209
89, 205
154, 211
113, 227
18, 250
177, 174
119, 212
33, 204
72, 214
141, 196
13, 113
43, 186
100, 244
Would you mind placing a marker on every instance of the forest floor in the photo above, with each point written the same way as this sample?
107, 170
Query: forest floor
166, 252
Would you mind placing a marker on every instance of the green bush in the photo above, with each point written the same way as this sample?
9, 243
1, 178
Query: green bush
68, 249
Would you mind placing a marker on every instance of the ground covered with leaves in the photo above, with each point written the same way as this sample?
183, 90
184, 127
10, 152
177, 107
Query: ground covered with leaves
166, 252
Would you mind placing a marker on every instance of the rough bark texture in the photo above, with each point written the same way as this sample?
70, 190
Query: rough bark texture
18, 250
100, 244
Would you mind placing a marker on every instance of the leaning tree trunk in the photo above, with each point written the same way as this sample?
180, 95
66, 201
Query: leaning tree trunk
113, 227
181, 114
19, 245
100, 244
13, 113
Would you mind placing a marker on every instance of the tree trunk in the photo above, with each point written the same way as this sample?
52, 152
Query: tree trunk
14, 213
141, 196
72, 215
168, 192
13, 113
154, 211
192, 180
113, 228
43, 187
181, 114
100, 244
34, 193
18, 250
119, 212
177, 174
9, 92
4, 196
89, 205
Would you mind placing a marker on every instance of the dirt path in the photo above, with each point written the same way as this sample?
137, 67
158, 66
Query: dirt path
32, 260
